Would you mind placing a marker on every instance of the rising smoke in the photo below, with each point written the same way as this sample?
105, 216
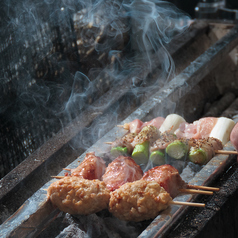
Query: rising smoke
58, 57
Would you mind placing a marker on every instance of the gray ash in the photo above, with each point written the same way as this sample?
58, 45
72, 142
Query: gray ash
100, 225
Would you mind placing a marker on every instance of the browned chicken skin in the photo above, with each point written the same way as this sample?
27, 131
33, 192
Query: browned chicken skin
76, 195
121, 170
167, 177
138, 201
161, 143
148, 133
92, 167
125, 141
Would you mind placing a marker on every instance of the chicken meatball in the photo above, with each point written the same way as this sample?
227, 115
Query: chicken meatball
138, 201
76, 195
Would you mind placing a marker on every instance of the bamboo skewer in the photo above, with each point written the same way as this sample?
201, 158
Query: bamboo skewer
109, 143
203, 187
66, 169
194, 191
193, 204
226, 152
58, 177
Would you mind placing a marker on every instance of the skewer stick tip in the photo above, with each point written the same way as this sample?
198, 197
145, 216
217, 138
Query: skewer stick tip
57, 177
109, 143
203, 187
194, 191
226, 152
192, 204
66, 169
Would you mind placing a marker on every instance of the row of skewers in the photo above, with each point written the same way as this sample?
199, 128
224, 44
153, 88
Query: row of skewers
122, 187
166, 139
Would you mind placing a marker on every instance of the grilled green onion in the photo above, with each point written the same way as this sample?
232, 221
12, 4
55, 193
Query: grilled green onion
141, 153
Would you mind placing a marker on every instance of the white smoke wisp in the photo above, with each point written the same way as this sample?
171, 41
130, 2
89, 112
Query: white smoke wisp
60, 56
144, 28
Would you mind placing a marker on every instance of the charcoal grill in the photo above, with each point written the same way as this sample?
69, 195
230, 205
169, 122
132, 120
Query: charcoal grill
205, 57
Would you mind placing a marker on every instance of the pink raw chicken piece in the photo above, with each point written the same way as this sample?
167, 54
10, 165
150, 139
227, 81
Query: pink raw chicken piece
136, 125
198, 129
157, 122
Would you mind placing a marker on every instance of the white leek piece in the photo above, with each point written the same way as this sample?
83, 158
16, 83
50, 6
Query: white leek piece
222, 129
171, 123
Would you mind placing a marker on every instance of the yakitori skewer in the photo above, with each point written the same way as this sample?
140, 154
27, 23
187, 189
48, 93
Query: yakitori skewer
224, 152
182, 190
198, 147
169, 178
171, 123
191, 191
124, 169
134, 201
198, 151
219, 128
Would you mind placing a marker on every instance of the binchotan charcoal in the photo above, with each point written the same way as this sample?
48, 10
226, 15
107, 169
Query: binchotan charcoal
220, 105
232, 110
72, 231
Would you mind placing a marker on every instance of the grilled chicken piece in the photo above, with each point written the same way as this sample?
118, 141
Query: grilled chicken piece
198, 129
136, 125
76, 195
92, 167
203, 150
125, 141
138, 201
199, 151
167, 177
120, 171
148, 133
157, 122
161, 143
